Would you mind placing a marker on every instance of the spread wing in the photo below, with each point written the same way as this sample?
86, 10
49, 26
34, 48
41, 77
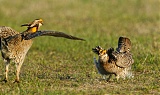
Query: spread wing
51, 33
7, 31
123, 59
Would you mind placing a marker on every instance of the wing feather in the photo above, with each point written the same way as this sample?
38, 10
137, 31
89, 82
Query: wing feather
123, 59
51, 33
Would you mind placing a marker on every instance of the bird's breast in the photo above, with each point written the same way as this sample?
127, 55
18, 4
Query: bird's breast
34, 29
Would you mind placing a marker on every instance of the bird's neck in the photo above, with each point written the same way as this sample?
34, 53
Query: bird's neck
29, 31
32, 29
104, 58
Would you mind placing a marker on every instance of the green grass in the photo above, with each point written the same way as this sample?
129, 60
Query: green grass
60, 66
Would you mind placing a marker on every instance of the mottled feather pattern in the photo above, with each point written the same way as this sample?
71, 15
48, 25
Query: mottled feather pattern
105, 65
124, 44
124, 59
14, 45
123, 53
115, 62
7, 31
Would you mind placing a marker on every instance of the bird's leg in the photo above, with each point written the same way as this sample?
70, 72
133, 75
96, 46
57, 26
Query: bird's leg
6, 69
117, 77
104, 77
18, 68
95, 60
109, 77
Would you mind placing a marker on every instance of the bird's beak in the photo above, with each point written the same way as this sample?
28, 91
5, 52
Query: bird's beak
40, 24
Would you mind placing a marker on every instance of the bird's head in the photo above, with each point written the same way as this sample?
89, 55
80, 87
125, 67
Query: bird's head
38, 22
102, 53
34, 25
99, 50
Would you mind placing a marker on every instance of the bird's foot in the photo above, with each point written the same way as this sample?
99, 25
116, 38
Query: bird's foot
16, 81
4, 80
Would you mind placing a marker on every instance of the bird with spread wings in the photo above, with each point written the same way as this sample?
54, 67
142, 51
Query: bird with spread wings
117, 62
14, 45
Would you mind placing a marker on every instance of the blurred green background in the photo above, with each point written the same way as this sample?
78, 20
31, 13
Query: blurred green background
62, 66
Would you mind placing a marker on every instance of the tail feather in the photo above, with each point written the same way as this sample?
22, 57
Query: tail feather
25, 25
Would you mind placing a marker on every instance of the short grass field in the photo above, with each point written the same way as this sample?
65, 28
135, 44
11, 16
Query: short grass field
58, 66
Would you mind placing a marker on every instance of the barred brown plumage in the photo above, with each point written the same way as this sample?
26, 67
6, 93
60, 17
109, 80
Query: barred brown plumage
123, 54
7, 31
14, 45
115, 62
124, 44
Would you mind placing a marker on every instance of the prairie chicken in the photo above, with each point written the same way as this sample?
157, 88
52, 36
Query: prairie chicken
114, 62
14, 45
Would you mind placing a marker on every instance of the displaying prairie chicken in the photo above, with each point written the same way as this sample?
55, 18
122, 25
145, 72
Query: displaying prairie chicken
14, 45
115, 62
